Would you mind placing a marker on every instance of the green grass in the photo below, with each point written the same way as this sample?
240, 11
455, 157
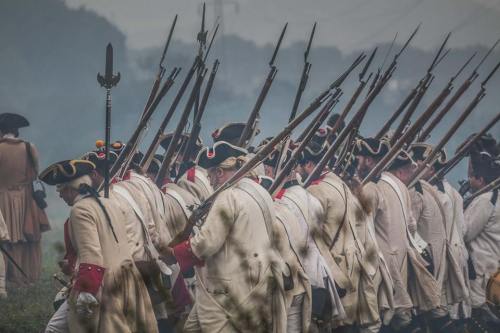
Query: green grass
28, 310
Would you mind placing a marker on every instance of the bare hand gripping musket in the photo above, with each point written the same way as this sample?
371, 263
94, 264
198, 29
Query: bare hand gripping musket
460, 91
464, 149
108, 81
251, 124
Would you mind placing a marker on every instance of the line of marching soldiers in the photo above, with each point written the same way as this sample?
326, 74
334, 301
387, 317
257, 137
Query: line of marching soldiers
329, 257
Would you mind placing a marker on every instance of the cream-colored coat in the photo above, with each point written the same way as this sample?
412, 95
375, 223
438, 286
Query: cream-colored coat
413, 284
124, 302
430, 219
307, 211
200, 186
346, 258
288, 239
234, 291
482, 221
458, 286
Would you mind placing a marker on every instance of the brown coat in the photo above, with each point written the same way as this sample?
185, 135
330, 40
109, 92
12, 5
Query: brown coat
24, 219
124, 301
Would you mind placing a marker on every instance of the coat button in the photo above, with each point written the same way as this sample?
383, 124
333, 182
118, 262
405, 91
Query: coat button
255, 254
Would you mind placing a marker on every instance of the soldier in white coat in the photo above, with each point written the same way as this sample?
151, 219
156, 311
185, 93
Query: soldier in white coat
239, 276
482, 222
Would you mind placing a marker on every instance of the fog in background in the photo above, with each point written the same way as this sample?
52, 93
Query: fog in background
51, 51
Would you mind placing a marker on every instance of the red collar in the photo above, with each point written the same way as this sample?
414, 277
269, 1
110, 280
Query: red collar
280, 194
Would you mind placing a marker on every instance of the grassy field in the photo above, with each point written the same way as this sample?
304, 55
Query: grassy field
28, 310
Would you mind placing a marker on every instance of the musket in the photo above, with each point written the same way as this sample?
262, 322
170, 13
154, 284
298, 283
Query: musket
261, 154
463, 150
108, 81
128, 151
379, 70
172, 147
419, 93
415, 128
494, 185
202, 41
251, 122
460, 91
430, 159
13, 262
195, 132
354, 97
148, 157
290, 164
161, 68
449, 87
359, 115
298, 95
304, 76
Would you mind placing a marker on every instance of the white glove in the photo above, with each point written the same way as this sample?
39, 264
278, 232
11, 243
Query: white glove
86, 303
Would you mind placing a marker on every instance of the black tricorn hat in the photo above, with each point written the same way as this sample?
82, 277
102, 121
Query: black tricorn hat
312, 152
403, 159
440, 161
165, 142
230, 133
320, 136
484, 164
273, 158
66, 171
210, 157
12, 121
98, 158
333, 119
420, 151
155, 165
485, 143
371, 147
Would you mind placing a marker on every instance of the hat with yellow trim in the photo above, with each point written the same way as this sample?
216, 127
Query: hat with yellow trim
66, 171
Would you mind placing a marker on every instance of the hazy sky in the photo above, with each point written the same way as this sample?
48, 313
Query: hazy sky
348, 24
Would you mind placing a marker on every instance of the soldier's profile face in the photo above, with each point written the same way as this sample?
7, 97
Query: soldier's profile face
67, 194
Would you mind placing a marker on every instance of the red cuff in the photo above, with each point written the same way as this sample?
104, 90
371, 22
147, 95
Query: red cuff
89, 278
191, 174
185, 256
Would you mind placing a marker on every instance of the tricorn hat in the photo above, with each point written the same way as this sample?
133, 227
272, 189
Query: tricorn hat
320, 136
210, 157
485, 165
333, 119
312, 152
371, 147
403, 159
165, 142
155, 165
12, 120
420, 151
230, 133
66, 171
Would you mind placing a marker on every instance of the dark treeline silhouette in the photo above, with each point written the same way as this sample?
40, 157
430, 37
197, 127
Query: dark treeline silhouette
51, 54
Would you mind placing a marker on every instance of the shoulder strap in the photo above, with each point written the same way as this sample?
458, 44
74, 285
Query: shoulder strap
254, 194
177, 197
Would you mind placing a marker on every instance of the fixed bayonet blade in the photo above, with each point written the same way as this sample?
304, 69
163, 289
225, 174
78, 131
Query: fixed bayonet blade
486, 55
436, 59
367, 65
276, 49
464, 66
490, 75
409, 40
211, 42
306, 54
169, 38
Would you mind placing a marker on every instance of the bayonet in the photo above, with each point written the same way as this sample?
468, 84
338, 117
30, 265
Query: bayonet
278, 45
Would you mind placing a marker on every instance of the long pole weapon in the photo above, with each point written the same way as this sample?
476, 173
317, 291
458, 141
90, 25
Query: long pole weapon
108, 81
